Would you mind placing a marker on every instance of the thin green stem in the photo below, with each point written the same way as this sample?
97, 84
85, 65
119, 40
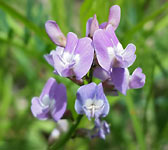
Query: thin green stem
58, 145
90, 75
136, 123
148, 98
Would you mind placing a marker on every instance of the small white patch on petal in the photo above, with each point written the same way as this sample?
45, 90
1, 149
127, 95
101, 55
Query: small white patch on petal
76, 58
119, 47
93, 106
127, 75
98, 103
88, 102
111, 52
68, 59
46, 102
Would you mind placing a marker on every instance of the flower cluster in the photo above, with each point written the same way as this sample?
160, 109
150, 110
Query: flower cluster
102, 55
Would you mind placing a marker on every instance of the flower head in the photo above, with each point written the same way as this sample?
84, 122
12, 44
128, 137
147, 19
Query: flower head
77, 54
52, 101
110, 52
101, 129
92, 101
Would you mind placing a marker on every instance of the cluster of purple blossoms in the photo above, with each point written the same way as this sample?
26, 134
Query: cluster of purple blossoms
99, 52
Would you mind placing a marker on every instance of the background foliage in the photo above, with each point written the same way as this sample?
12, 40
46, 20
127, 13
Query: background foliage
137, 121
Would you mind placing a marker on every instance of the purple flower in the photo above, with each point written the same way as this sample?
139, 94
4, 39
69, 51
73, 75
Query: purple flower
120, 78
92, 101
101, 128
55, 33
49, 58
113, 19
91, 26
110, 52
77, 54
52, 101
114, 16
137, 79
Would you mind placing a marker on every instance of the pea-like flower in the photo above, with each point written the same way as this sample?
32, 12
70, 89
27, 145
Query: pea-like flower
73, 60
121, 79
113, 19
92, 101
55, 33
101, 129
52, 101
109, 50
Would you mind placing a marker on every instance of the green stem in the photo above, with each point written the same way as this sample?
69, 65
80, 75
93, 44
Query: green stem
90, 75
64, 140
148, 98
136, 124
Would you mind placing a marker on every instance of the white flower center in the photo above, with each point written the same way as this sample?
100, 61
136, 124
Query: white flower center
69, 59
112, 51
46, 102
93, 106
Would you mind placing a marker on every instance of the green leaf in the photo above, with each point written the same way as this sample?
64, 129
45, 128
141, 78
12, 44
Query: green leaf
6, 98
135, 121
58, 13
129, 34
33, 27
25, 64
163, 23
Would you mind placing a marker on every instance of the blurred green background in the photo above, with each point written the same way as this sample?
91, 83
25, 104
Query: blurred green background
138, 121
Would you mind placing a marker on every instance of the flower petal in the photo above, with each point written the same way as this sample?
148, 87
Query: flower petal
101, 96
52, 101
38, 111
84, 92
47, 87
58, 92
114, 16
120, 79
103, 25
84, 57
94, 26
92, 101
101, 74
55, 33
49, 58
72, 41
88, 24
102, 129
91, 26
61, 68
106, 44
101, 42
127, 57
137, 79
